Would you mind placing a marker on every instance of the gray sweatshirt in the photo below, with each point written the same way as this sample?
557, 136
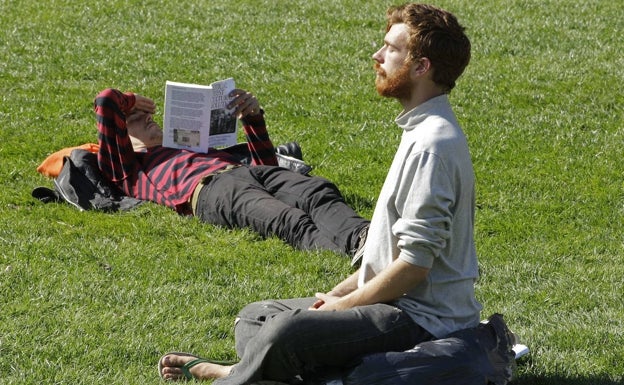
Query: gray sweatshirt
425, 216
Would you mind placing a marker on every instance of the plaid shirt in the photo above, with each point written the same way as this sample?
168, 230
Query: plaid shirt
164, 175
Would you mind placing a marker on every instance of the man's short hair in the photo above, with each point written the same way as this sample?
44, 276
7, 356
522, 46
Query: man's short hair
437, 35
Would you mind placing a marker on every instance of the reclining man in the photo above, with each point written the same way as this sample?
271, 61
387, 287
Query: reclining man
419, 264
306, 212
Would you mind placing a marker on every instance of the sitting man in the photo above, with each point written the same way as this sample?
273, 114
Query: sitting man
306, 212
419, 263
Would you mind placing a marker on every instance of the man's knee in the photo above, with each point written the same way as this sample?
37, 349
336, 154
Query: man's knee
322, 190
260, 311
282, 330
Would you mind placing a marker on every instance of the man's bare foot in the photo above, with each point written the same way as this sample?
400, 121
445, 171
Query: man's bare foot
181, 366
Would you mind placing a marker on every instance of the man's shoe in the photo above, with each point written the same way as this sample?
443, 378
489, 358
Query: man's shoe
289, 156
292, 149
359, 251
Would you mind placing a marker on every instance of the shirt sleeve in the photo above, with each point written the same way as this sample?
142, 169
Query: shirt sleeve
260, 146
424, 202
116, 158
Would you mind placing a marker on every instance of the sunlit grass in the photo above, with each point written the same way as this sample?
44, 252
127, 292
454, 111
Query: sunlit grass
93, 298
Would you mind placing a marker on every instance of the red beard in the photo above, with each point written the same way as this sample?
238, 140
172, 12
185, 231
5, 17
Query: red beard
398, 85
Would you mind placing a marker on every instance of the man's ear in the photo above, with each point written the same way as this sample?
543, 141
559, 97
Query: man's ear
420, 67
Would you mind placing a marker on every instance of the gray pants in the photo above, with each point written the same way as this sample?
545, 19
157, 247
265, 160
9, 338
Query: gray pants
280, 340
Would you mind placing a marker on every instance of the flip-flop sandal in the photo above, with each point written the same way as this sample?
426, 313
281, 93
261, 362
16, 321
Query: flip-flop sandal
186, 368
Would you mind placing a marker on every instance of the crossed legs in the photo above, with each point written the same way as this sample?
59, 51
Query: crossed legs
279, 340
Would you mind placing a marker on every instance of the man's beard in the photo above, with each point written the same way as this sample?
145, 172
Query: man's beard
397, 86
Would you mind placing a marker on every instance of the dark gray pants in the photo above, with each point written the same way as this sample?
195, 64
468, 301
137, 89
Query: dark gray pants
306, 212
279, 340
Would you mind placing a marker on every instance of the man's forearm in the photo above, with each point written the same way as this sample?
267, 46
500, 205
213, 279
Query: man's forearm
347, 286
396, 280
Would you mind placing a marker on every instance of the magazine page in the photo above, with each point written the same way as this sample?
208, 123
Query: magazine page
195, 117
223, 122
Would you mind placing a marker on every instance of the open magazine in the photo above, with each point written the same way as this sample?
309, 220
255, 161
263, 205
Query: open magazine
196, 118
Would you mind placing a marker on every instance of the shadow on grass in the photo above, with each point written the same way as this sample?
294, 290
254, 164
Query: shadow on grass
560, 380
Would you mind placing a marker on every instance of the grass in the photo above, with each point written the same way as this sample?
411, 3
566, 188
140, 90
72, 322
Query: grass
93, 298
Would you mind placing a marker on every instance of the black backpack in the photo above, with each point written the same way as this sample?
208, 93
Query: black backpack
81, 184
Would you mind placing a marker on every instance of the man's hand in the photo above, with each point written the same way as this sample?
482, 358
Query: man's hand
391, 283
326, 302
244, 103
143, 104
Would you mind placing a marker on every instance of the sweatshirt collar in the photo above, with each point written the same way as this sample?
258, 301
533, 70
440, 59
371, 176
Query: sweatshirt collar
408, 120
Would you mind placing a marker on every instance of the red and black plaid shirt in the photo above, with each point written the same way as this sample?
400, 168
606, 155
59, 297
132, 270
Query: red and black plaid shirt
164, 175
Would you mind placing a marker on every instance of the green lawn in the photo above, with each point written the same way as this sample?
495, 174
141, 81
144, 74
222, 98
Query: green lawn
94, 298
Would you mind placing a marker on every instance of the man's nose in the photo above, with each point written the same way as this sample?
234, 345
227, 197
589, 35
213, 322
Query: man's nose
377, 56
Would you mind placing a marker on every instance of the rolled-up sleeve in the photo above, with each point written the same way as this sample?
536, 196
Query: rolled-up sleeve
424, 203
